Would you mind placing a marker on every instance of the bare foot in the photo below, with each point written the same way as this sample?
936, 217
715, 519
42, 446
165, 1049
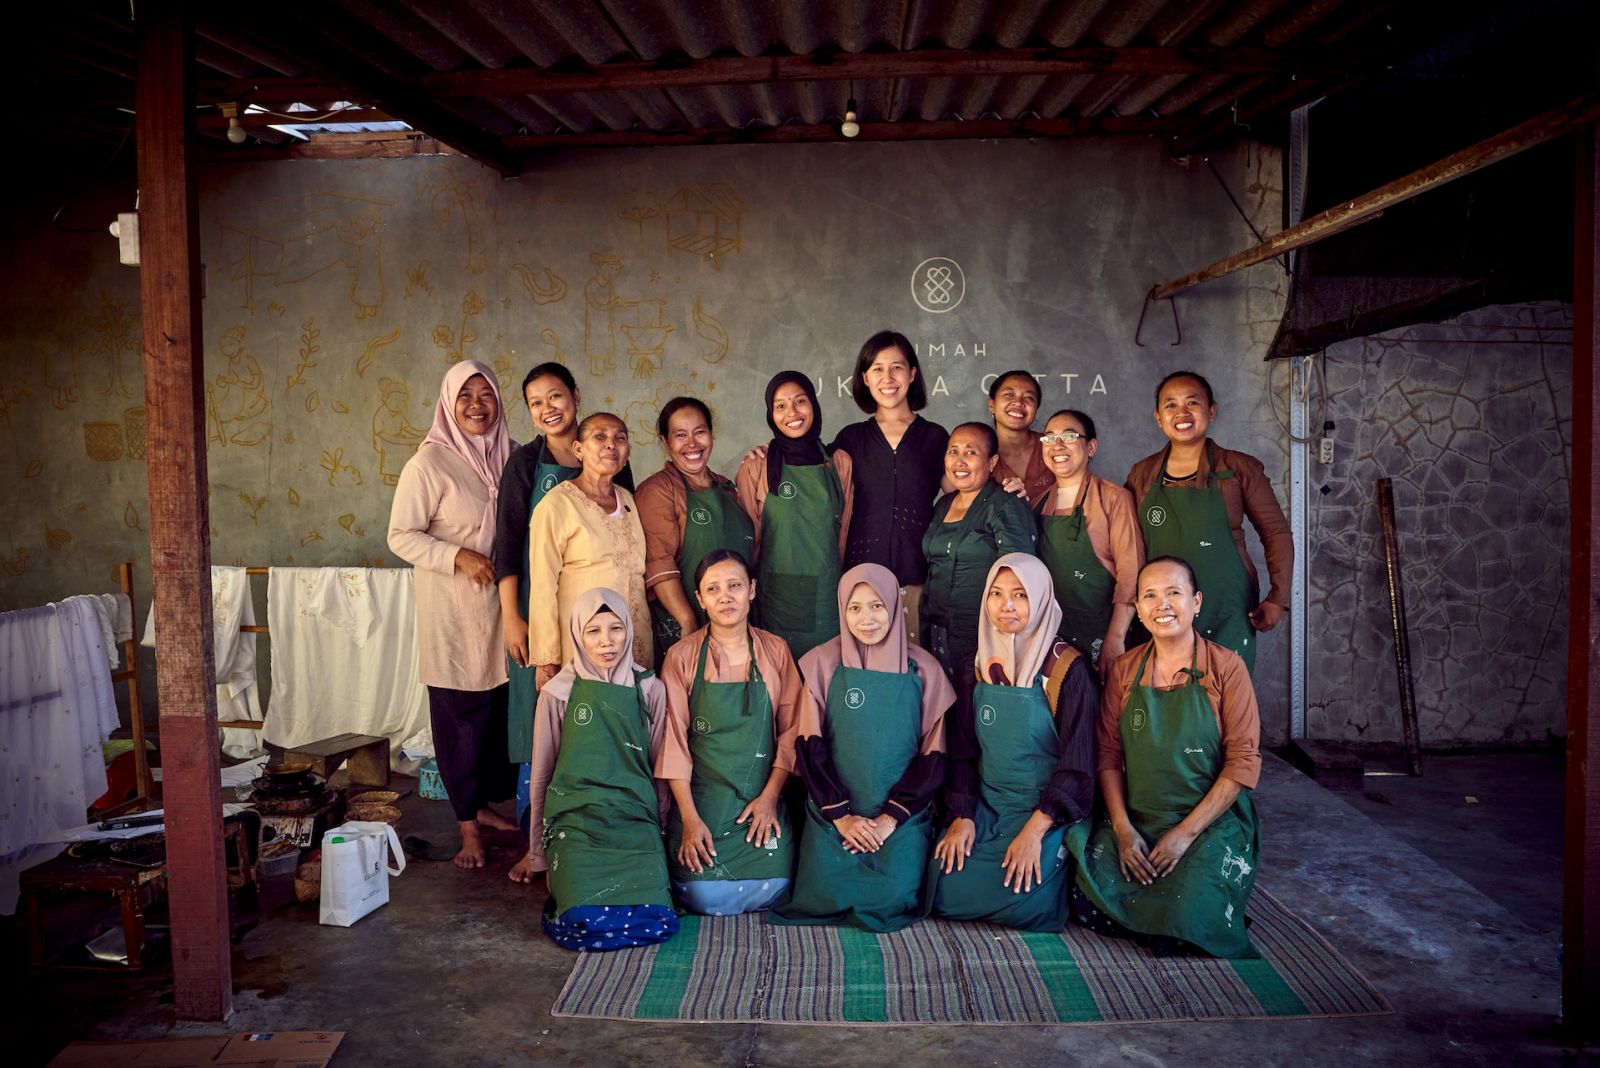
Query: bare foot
488, 817
471, 855
522, 871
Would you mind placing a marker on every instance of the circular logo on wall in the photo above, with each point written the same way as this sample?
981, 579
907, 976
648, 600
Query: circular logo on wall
854, 697
986, 714
786, 490
1136, 719
700, 517
1157, 515
938, 284
702, 725
547, 483
583, 714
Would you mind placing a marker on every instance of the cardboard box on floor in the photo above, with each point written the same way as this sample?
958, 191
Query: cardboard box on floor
256, 1049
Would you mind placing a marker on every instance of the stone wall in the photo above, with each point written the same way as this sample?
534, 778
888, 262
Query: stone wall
1471, 419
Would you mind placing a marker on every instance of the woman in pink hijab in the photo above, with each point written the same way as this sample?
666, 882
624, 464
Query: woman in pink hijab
442, 523
871, 750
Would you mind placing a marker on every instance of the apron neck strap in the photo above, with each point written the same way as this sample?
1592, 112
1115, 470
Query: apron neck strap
1210, 465
1193, 671
754, 670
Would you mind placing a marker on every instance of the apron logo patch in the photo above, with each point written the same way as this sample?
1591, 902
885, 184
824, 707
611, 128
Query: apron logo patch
583, 714
700, 517
1204, 544
854, 697
986, 714
1187, 749
701, 725
786, 490
1080, 575
548, 484
1157, 515
1234, 866
1136, 720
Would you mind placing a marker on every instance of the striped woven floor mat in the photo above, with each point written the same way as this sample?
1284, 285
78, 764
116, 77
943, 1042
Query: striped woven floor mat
741, 969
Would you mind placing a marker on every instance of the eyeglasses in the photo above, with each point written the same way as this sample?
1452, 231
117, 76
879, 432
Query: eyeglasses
1066, 437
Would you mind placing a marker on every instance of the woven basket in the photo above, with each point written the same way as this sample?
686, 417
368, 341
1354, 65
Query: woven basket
373, 814
308, 881
373, 797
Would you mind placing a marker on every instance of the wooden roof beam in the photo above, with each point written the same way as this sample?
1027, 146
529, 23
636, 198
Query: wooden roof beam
1576, 114
678, 73
348, 75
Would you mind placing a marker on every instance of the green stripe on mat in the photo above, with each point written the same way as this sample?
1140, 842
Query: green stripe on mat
1073, 1000
1269, 988
865, 994
662, 996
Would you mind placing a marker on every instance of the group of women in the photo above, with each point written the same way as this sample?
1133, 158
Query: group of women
1010, 690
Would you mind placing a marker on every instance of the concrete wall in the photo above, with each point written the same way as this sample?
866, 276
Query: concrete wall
339, 293
1471, 419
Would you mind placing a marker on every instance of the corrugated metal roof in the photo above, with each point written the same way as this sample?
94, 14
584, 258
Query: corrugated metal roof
261, 53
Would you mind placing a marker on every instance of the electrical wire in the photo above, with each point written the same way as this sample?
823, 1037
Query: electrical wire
55, 220
1316, 429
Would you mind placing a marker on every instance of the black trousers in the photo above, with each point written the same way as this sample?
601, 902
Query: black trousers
469, 743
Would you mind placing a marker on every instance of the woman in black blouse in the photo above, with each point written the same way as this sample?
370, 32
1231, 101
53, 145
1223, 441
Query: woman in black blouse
899, 462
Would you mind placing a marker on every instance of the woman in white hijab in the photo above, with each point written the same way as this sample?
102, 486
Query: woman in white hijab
594, 807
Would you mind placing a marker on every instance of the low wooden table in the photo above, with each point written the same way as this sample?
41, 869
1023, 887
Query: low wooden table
64, 874
367, 757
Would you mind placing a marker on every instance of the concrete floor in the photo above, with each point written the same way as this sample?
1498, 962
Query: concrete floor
1451, 909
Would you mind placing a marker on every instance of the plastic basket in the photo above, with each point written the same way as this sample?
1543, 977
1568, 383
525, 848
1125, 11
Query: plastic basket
429, 784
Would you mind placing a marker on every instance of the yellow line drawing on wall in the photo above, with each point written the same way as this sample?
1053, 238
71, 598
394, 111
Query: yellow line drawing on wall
502, 372
554, 289
59, 356
17, 564
11, 400
600, 304
115, 336
370, 353
277, 308
550, 343
417, 279
56, 538
704, 221
313, 400
376, 561
311, 536
35, 468
333, 463
309, 335
348, 522
133, 430
712, 330
455, 343
642, 207
640, 415
447, 191
394, 439
236, 400
292, 239
647, 336
339, 406
294, 497
288, 437
103, 441
130, 517
255, 504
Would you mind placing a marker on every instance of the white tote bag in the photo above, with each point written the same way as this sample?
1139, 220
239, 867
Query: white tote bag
355, 872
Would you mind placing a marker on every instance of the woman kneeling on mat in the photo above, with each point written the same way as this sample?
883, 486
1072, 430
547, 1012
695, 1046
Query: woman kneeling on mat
733, 707
1012, 801
871, 749
595, 812
1175, 857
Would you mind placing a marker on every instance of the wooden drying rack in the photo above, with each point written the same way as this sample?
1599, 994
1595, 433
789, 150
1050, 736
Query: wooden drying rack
130, 675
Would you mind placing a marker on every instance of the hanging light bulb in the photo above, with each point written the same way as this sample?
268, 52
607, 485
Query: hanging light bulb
849, 127
236, 132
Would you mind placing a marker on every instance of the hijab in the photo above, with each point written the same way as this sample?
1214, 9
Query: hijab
1019, 658
804, 451
891, 654
486, 455
589, 604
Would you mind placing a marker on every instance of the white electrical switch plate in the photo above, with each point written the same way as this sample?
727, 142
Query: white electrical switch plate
126, 231
1325, 451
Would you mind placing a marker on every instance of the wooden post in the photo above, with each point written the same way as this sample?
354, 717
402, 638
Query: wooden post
1580, 957
180, 528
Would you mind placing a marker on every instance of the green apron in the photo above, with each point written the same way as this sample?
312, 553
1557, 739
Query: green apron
732, 743
873, 732
1017, 752
1083, 585
1192, 523
1173, 753
602, 830
797, 580
713, 519
959, 556
547, 474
